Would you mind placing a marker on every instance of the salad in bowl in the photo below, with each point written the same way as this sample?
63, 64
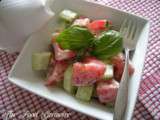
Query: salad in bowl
85, 58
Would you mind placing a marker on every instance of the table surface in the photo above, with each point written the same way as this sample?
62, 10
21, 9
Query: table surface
17, 103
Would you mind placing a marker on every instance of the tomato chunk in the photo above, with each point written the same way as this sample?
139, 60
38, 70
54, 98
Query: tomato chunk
61, 54
56, 74
107, 91
118, 62
97, 25
87, 73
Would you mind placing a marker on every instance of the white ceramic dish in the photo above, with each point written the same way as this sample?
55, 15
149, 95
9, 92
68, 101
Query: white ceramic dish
23, 76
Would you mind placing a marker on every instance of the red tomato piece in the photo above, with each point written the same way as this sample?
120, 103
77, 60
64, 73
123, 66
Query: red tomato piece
130, 69
107, 91
57, 72
118, 62
87, 73
61, 54
96, 26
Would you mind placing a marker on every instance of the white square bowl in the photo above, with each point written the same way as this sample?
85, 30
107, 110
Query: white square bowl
22, 74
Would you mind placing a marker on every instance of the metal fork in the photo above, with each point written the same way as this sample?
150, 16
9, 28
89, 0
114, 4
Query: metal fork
128, 31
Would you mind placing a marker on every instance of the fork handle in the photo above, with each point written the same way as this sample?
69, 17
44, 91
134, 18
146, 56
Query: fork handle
122, 95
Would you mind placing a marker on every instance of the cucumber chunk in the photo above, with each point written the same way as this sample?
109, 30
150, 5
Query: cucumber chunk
108, 61
84, 93
60, 84
94, 93
110, 105
68, 15
40, 60
67, 82
108, 74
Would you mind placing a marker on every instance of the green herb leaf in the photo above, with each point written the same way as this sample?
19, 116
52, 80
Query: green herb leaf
108, 44
107, 24
75, 38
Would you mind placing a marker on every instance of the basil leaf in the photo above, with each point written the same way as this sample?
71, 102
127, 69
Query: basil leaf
107, 24
108, 44
75, 38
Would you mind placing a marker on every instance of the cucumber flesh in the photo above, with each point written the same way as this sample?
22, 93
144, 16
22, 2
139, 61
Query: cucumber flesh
110, 105
108, 61
94, 94
108, 74
84, 93
67, 82
60, 84
40, 60
68, 15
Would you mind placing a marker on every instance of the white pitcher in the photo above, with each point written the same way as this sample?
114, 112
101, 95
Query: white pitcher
20, 18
